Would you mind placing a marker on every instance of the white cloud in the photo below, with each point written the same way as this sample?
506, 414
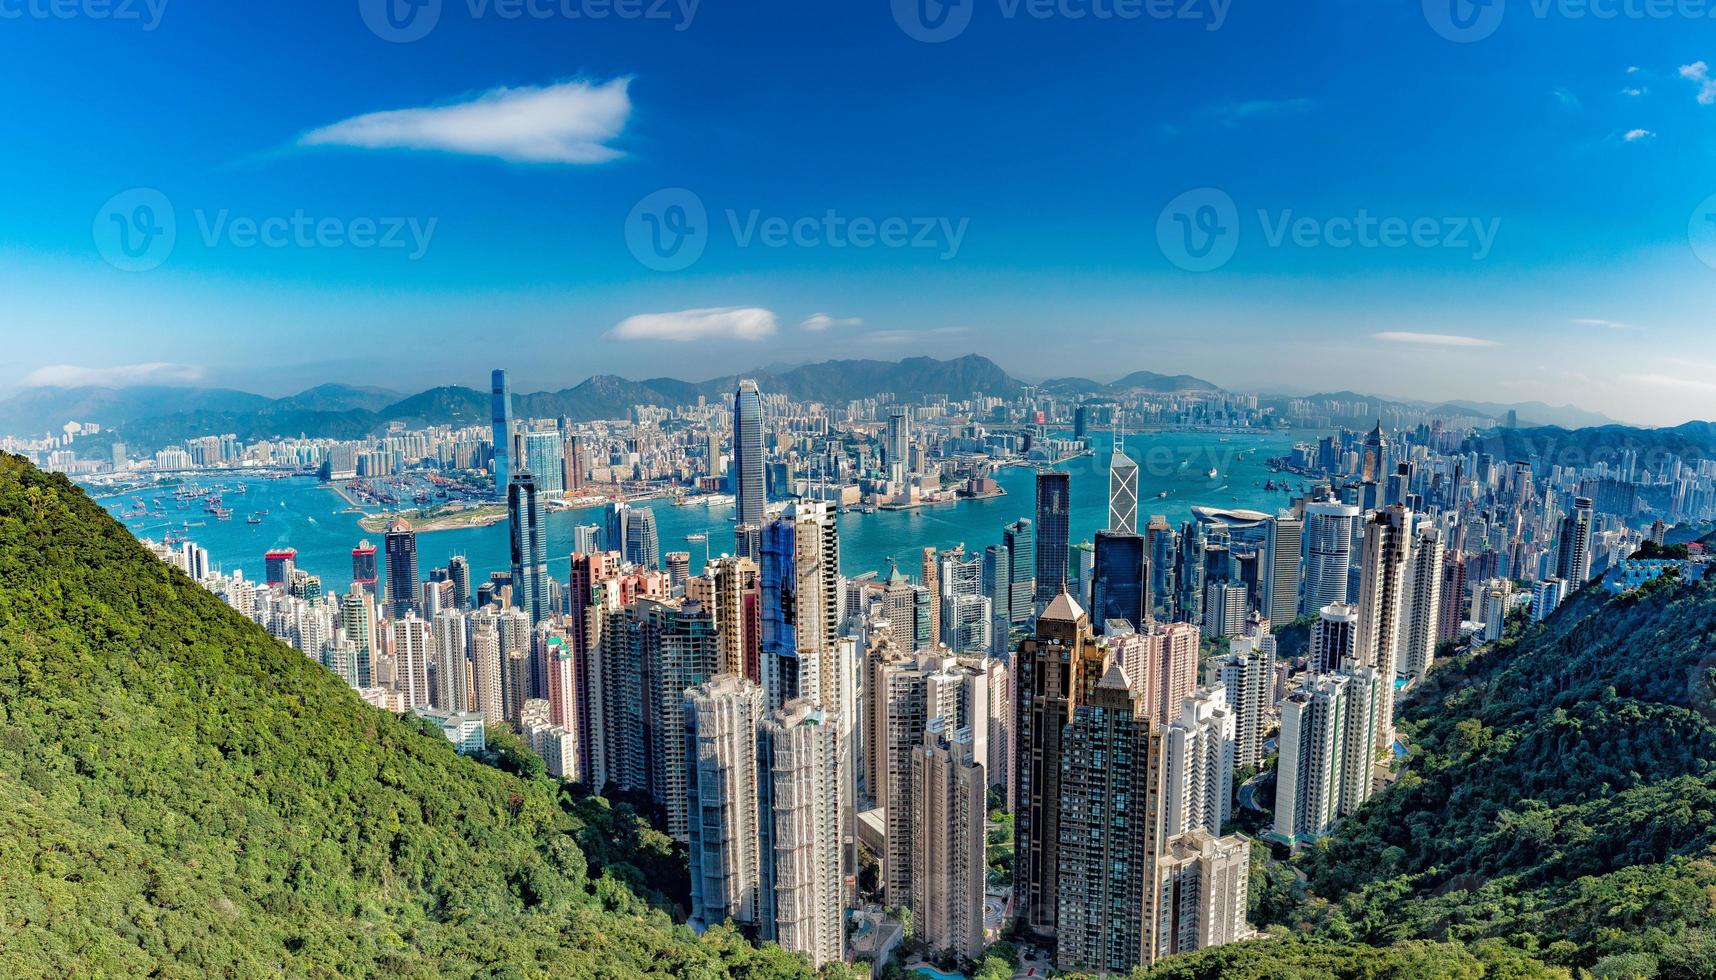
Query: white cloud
818, 322
119, 375
565, 123
1568, 100
1433, 339
1633, 91
718, 323
1699, 74
1635, 135
1595, 322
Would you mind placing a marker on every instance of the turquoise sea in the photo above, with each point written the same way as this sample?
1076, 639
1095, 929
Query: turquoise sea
307, 516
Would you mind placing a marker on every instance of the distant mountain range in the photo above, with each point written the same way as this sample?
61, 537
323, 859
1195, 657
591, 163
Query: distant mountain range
149, 417
1530, 413
1147, 382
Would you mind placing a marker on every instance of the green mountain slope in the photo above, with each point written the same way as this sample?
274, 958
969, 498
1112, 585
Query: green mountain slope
1561, 795
182, 796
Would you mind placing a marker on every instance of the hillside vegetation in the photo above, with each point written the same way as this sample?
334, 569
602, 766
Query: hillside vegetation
1560, 797
183, 796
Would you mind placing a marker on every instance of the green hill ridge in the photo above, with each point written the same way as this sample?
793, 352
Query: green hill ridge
1561, 797
183, 796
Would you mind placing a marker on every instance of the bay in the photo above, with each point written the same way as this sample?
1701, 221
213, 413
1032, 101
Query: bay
308, 516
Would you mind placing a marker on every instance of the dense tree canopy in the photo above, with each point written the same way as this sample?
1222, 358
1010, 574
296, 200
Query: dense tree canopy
1560, 796
183, 796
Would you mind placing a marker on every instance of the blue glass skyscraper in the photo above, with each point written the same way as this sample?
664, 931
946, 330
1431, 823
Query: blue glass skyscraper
749, 495
529, 526
501, 403
1118, 590
1054, 530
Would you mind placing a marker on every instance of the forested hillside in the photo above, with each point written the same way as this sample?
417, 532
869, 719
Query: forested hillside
1561, 797
182, 796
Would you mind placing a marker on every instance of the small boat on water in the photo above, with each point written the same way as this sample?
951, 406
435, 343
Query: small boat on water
253, 519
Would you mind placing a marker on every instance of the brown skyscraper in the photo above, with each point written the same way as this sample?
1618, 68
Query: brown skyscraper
1056, 669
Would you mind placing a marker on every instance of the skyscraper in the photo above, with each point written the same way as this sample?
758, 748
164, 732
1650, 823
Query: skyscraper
1054, 529
1329, 528
643, 547
615, 517
1573, 557
1107, 829
1019, 539
529, 539
1310, 775
749, 495
500, 400
452, 671
949, 869
1382, 604
404, 589
1052, 668
798, 584
801, 812
1122, 491
899, 442
721, 719
1286, 568
1199, 751
413, 646
364, 574
1423, 604
1118, 589
1334, 638
459, 570
1247, 674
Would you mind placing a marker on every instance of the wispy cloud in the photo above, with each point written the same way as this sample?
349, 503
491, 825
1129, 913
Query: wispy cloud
570, 122
818, 322
1633, 91
717, 323
1605, 324
75, 376
1233, 113
1433, 339
910, 336
1567, 100
1698, 73
1669, 381
1637, 135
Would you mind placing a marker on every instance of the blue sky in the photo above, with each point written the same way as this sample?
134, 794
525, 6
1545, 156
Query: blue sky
487, 194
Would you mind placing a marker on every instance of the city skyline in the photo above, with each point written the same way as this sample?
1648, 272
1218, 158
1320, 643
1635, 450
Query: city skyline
504, 172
